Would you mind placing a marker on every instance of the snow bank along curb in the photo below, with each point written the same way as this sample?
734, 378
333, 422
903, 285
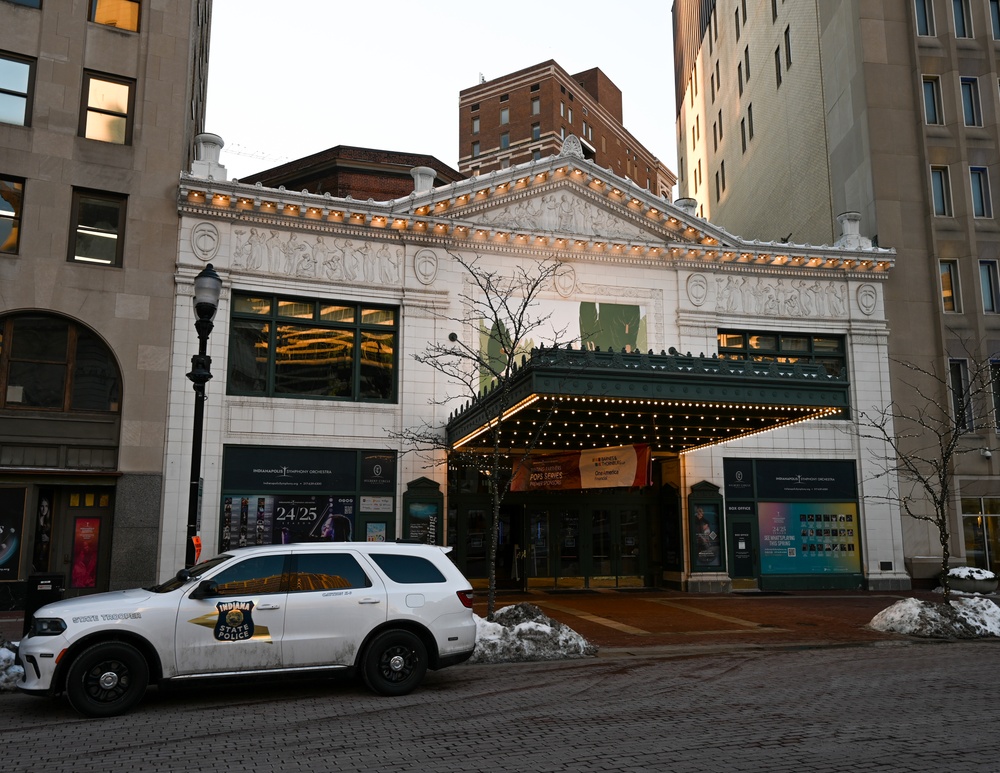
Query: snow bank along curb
966, 618
523, 632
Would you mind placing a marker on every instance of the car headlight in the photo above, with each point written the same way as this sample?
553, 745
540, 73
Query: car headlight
47, 626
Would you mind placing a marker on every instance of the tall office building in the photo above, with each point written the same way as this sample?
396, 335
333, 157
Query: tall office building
100, 103
790, 113
526, 115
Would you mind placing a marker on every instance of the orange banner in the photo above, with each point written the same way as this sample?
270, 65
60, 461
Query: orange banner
619, 466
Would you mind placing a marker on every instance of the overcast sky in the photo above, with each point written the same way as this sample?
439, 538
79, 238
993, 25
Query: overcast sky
294, 78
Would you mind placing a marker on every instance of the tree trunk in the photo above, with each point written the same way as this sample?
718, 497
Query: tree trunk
491, 593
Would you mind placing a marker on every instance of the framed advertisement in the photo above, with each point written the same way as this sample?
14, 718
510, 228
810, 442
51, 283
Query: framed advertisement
11, 531
706, 539
86, 540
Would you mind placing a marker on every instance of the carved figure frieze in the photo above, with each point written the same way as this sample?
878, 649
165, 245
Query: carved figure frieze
770, 297
561, 212
270, 251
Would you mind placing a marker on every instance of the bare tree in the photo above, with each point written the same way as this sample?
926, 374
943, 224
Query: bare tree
499, 316
928, 433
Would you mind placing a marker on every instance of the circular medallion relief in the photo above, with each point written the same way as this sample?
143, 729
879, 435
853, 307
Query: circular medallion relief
565, 280
425, 266
697, 289
205, 241
867, 299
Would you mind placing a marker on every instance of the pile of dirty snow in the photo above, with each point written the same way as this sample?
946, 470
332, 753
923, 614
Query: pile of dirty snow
10, 674
969, 617
971, 573
523, 632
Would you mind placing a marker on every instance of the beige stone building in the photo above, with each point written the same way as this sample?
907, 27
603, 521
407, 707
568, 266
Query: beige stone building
789, 113
99, 106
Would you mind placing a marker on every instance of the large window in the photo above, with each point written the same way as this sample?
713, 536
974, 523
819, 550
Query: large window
950, 295
826, 350
971, 106
97, 233
50, 363
11, 198
923, 9
995, 18
17, 80
932, 100
107, 109
963, 18
988, 280
123, 14
982, 203
941, 191
981, 526
961, 401
295, 347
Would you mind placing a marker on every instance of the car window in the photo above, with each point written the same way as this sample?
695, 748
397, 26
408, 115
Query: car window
322, 571
407, 569
260, 574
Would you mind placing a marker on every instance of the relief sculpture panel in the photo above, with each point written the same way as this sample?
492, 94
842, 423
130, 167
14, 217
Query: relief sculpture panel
770, 297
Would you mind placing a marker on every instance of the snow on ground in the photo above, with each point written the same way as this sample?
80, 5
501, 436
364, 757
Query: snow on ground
968, 617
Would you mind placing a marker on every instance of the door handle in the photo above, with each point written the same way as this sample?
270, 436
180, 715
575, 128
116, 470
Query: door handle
269, 606
369, 601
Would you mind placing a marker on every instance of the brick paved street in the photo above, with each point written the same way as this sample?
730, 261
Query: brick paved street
785, 682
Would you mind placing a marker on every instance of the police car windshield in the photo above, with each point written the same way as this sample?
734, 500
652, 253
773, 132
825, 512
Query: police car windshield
195, 571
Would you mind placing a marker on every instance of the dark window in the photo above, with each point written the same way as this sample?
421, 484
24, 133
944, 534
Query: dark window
777, 65
50, 363
995, 18
261, 574
11, 201
536, 131
97, 232
961, 399
750, 121
409, 570
746, 61
17, 82
285, 347
810, 348
107, 108
925, 17
475, 106
535, 86
505, 141
122, 14
504, 97
737, 24
962, 21
475, 150
27, 3
788, 47
324, 571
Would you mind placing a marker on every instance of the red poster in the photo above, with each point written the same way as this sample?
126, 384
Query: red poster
86, 536
620, 466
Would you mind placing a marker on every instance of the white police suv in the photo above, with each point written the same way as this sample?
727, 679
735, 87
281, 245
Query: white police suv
388, 610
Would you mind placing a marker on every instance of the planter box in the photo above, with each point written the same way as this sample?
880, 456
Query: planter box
968, 585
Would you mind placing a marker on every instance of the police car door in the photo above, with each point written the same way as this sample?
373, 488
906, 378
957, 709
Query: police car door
234, 620
332, 605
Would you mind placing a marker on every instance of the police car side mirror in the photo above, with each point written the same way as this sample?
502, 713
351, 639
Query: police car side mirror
205, 589
183, 575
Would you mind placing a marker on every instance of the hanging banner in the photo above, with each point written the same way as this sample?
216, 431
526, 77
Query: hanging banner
619, 466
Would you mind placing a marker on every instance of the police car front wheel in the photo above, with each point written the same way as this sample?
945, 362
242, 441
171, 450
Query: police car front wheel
107, 679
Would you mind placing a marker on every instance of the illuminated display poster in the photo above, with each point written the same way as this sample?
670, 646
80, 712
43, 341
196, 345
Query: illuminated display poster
809, 538
252, 519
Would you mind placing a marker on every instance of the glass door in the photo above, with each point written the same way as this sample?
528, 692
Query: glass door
617, 545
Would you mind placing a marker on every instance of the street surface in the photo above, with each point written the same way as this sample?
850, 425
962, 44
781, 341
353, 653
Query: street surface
891, 705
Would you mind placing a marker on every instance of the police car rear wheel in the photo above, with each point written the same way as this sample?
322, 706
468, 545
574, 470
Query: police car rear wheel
395, 663
107, 679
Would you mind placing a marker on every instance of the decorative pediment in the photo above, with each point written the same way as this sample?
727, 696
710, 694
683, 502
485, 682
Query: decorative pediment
561, 210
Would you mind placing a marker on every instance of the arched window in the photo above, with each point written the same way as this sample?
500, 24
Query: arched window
48, 362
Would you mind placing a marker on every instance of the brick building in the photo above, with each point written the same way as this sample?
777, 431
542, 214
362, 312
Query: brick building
526, 115
362, 173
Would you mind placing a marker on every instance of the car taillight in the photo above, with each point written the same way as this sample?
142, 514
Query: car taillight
465, 596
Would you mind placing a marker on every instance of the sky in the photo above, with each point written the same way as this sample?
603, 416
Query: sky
295, 78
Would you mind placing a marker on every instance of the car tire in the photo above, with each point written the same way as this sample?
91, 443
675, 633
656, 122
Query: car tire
395, 663
107, 679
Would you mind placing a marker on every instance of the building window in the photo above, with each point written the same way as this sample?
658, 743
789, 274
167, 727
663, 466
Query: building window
737, 24
995, 18
536, 155
27, 3
106, 112
961, 399
97, 232
963, 18
536, 131
777, 66
504, 115
50, 363
949, 286
536, 106
715, 136
830, 351
788, 47
941, 191
562, 109
475, 125
743, 134
722, 168
301, 347
746, 62
989, 285
924, 12
982, 204
718, 188
122, 14
774, 11
505, 141
475, 150
504, 97
720, 124
739, 76
17, 82
932, 101
750, 121
475, 107
504, 163
11, 199
970, 102
743, 4
569, 116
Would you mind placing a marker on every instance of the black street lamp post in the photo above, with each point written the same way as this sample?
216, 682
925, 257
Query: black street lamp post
207, 288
